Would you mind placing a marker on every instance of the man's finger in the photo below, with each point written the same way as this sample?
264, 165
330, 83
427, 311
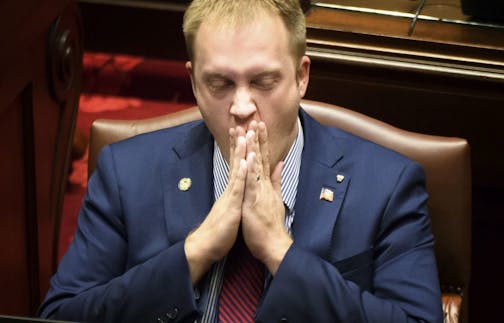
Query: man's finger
253, 176
237, 185
253, 148
276, 177
264, 148
232, 146
235, 160
234, 134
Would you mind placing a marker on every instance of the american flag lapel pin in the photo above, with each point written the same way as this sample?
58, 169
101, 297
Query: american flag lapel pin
326, 194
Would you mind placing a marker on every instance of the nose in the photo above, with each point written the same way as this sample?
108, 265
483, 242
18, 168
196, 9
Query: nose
243, 105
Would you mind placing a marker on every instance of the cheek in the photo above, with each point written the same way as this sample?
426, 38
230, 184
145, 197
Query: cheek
280, 118
215, 118
213, 110
283, 108
218, 123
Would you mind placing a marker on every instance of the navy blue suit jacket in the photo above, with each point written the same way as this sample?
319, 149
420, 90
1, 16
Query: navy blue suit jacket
367, 256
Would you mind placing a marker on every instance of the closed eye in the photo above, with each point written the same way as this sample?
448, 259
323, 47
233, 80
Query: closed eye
265, 82
218, 84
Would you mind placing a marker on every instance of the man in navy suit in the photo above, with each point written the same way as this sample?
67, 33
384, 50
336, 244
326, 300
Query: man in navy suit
340, 224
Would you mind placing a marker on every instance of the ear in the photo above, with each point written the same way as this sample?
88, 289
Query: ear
190, 71
303, 75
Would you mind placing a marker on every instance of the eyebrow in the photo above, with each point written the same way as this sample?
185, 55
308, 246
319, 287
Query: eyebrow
271, 73
209, 75
212, 75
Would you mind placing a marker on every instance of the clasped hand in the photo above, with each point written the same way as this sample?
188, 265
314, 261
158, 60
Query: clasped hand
252, 198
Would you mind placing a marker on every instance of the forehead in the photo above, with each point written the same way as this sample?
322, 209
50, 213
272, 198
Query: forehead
241, 46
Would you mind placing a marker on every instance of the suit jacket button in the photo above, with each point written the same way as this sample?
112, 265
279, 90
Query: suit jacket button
284, 320
172, 314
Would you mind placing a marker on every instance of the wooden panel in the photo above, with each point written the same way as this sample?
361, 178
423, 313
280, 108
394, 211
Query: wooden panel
157, 31
436, 104
440, 21
40, 68
17, 216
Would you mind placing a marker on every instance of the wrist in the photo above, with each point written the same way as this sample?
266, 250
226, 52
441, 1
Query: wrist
277, 253
197, 258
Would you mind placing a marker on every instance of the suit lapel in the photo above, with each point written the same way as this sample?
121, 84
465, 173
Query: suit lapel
315, 217
190, 159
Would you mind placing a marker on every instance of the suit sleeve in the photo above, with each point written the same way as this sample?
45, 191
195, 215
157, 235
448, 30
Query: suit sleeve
405, 288
92, 283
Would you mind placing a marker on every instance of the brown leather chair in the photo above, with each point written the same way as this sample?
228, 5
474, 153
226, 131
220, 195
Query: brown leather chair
445, 160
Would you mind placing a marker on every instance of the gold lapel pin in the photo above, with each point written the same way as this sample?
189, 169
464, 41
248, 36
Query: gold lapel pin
340, 178
326, 194
184, 184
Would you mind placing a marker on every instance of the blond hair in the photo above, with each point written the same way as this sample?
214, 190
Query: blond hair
237, 12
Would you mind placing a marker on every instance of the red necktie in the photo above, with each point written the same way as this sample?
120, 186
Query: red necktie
242, 285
